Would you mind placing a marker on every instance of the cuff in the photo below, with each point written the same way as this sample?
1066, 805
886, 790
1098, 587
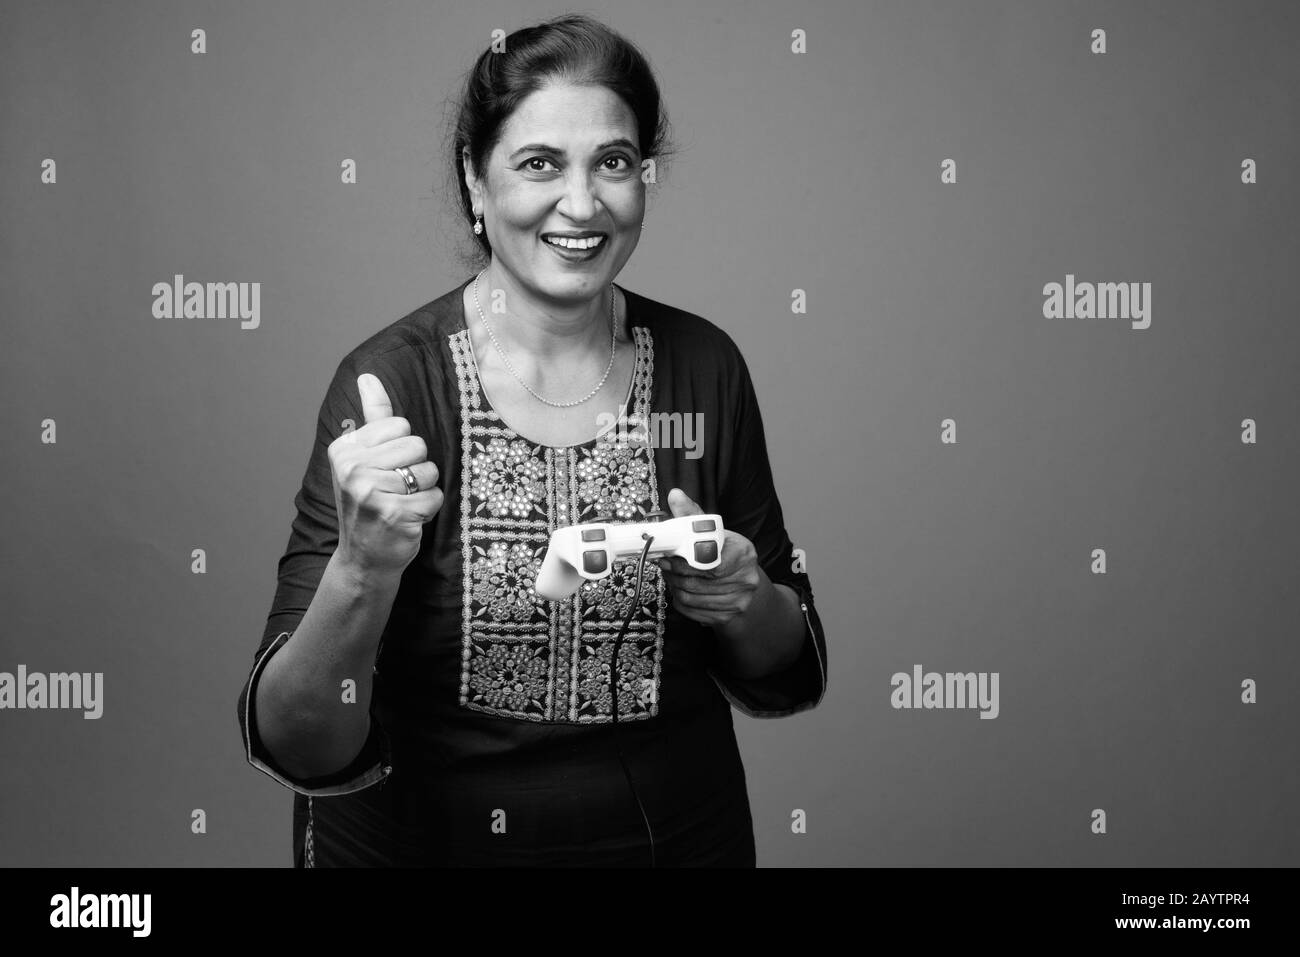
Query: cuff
799, 687
369, 767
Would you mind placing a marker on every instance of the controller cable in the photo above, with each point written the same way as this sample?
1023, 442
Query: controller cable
613, 692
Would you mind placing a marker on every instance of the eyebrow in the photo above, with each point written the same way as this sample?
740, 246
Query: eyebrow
543, 148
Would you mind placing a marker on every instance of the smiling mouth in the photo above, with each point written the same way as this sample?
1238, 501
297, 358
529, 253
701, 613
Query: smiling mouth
583, 244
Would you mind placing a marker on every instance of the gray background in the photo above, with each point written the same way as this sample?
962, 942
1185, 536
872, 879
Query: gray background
818, 171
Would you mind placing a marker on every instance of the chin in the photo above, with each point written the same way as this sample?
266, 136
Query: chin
573, 281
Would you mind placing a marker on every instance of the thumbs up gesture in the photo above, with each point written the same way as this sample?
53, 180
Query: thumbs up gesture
712, 596
381, 520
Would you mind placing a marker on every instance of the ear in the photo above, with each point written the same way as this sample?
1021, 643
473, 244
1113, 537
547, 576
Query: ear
471, 179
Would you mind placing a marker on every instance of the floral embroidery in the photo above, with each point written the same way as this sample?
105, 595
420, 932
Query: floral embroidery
509, 677
523, 656
508, 477
612, 597
613, 480
502, 581
634, 668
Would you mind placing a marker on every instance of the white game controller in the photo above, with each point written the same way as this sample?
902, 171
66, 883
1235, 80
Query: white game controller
580, 553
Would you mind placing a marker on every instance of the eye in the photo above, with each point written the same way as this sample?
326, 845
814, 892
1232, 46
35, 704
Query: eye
529, 167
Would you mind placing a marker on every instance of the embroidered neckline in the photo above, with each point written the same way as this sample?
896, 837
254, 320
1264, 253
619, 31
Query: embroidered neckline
522, 657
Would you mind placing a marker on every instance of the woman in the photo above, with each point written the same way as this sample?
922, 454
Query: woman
423, 702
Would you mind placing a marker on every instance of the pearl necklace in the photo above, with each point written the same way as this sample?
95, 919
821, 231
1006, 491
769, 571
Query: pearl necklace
561, 405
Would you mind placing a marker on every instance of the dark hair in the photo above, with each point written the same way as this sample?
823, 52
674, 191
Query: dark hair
573, 48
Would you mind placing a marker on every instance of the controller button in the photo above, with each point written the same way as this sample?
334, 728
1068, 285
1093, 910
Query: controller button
704, 525
593, 562
706, 552
593, 534
657, 515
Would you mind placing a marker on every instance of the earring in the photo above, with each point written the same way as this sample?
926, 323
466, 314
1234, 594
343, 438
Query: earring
643, 225
478, 226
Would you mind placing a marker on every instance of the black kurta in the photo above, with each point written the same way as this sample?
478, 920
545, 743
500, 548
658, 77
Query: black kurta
491, 738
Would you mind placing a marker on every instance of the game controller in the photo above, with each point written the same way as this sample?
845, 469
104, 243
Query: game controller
580, 553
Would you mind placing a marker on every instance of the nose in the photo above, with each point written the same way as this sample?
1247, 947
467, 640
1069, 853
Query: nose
579, 200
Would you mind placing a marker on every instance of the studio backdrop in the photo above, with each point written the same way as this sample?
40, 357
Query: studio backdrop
1014, 284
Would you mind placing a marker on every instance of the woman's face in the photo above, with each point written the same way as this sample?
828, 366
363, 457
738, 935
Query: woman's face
567, 161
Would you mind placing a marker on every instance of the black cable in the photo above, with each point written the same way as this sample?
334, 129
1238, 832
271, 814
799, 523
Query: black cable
613, 693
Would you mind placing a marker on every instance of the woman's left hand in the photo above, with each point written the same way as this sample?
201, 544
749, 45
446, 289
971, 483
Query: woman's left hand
713, 596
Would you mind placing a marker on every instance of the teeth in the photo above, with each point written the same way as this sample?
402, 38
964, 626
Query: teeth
589, 243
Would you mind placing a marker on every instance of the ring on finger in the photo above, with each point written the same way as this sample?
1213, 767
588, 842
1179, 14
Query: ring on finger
412, 486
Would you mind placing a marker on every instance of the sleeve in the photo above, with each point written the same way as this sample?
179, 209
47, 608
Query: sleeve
313, 538
749, 506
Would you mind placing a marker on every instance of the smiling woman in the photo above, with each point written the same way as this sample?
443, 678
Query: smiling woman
424, 702
550, 194
576, 190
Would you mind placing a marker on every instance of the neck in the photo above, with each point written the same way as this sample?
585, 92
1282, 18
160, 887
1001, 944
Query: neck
544, 327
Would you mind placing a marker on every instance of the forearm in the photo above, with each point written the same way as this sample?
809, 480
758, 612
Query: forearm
303, 719
767, 637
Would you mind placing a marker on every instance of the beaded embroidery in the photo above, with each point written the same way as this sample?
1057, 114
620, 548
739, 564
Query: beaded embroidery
310, 850
522, 656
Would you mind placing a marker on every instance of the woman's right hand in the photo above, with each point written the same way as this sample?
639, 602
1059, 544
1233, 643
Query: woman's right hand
380, 525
